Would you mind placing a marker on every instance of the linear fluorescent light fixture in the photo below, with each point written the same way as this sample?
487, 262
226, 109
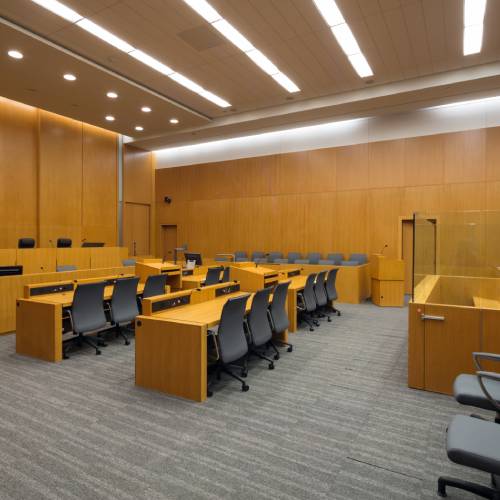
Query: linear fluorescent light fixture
344, 36
72, 16
226, 29
473, 26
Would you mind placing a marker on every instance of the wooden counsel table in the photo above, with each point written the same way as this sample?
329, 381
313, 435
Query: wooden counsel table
39, 316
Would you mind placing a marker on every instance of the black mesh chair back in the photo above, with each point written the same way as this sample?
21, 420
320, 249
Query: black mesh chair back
258, 321
277, 309
331, 290
124, 307
231, 334
319, 289
88, 307
226, 274
64, 243
213, 275
155, 285
26, 243
308, 294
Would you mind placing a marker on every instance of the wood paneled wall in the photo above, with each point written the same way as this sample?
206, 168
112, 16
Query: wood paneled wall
346, 199
58, 178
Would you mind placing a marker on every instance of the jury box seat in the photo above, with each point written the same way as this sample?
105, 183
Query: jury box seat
467, 391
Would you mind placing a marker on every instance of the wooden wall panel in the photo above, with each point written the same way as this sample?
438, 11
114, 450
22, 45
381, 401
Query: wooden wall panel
100, 185
60, 179
346, 199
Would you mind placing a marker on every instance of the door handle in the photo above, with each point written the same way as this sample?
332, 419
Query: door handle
423, 317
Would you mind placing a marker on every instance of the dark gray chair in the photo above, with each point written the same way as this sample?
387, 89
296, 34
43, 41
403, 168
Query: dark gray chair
475, 443
62, 269
361, 258
313, 257
293, 256
306, 303
26, 243
320, 295
128, 262
326, 262
331, 290
349, 263
278, 315
64, 243
240, 256
275, 255
87, 314
337, 258
258, 326
123, 305
226, 275
301, 261
258, 255
155, 285
280, 261
231, 341
213, 275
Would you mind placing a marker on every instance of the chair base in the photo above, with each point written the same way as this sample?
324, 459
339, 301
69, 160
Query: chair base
477, 489
82, 339
255, 352
225, 368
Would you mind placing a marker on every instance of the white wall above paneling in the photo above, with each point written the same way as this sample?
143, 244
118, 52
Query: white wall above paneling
468, 115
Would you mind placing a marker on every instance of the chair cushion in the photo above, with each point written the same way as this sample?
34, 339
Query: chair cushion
301, 261
467, 391
326, 262
281, 261
474, 443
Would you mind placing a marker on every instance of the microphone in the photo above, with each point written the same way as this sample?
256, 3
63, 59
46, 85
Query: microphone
383, 248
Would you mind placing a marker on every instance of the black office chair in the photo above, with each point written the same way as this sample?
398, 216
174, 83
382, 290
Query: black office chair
87, 314
231, 341
64, 243
331, 290
259, 329
306, 303
123, 306
26, 243
155, 285
278, 315
320, 295
226, 275
213, 275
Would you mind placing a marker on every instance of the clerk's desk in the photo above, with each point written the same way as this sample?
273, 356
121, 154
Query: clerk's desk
254, 278
171, 339
156, 266
39, 315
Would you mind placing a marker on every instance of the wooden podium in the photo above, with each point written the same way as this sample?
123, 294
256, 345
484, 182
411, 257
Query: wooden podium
387, 281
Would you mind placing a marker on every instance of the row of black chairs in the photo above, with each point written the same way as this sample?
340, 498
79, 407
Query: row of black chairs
239, 336
317, 298
89, 314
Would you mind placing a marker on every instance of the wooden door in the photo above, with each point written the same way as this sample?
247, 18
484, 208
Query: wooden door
452, 334
136, 228
407, 253
169, 241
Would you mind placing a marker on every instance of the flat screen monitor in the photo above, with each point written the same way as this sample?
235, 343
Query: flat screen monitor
92, 244
10, 270
193, 256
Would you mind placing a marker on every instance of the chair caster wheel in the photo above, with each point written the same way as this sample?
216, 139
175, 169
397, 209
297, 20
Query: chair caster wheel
97, 352
271, 366
209, 394
316, 323
311, 329
290, 349
127, 342
338, 313
244, 373
245, 387
276, 357
65, 356
101, 343
329, 320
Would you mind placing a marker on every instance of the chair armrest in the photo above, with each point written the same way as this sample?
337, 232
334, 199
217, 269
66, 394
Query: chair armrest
486, 356
490, 376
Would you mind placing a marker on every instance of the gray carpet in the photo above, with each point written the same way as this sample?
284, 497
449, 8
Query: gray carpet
334, 420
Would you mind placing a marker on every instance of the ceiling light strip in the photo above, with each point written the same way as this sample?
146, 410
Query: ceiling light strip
344, 36
72, 16
473, 26
226, 29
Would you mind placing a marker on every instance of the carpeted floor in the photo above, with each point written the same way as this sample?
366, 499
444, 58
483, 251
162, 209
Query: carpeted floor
334, 420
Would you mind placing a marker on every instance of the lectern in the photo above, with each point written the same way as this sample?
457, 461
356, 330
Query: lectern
388, 277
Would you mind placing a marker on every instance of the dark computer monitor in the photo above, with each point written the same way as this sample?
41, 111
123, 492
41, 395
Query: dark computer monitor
193, 256
92, 244
10, 270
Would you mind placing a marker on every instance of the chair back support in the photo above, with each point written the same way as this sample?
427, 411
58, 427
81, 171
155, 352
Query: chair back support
258, 321
26, 243
62, 269
331, 290
88, 307
319, 289
128, 262
293, 256
277, 309
155, 285
313, 257
124, 307
240, 254
337, 258
308, 293
275, 255
213, 275
361, 258
231, 334
226, 274
64, 243
258, 255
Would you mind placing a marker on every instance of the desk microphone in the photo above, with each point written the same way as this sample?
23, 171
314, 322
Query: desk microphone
383, 248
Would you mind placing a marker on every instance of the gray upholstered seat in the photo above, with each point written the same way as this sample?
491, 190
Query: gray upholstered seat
240, 256
349, 263
226, 274
275, 255
26, 243
467, 391
326, 262
313, 257
128, 262
301, 261
361, 258
64, 243
293, 256
281, 261
475, 443
278, 315
123, 306
155, 285
258, 255
336, 257
260, 260
213, 275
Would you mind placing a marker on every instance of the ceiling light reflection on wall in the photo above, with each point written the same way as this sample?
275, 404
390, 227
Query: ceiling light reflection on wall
15, 54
